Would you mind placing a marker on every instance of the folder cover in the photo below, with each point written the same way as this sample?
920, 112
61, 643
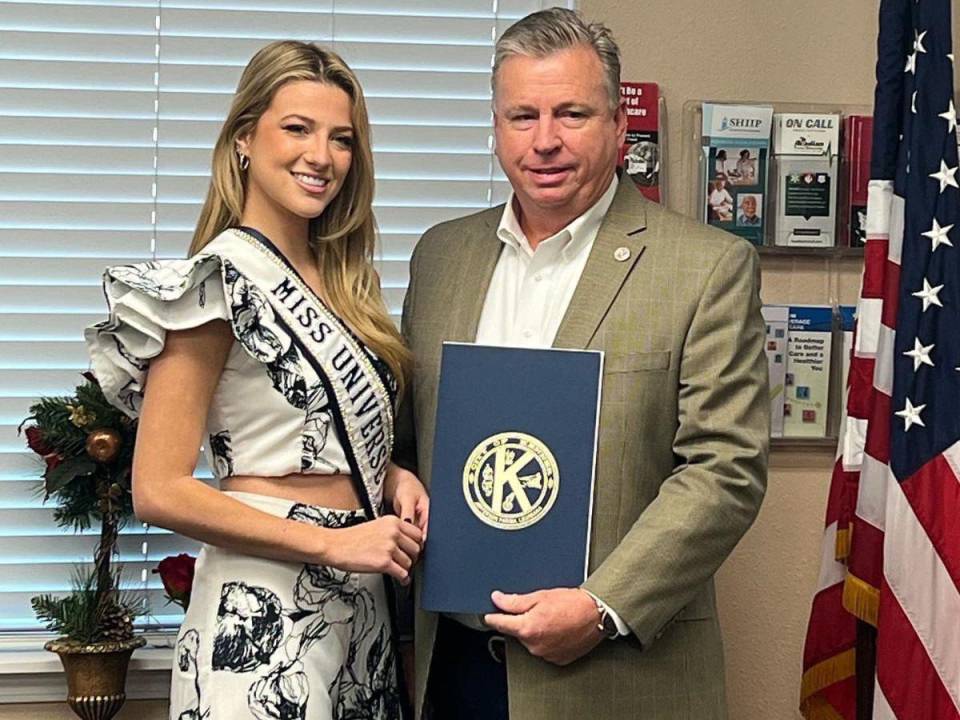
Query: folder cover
513, 470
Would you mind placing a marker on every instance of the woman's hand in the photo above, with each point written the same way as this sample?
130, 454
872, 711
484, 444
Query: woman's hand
404, 492
389, 544
386, 545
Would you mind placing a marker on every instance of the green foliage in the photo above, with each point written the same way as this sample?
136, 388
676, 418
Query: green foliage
78, 503
66, 471
73, 480
81, 615
52, 415
88, 488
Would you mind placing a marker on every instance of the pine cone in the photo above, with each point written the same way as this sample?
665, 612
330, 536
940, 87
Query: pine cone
116, 624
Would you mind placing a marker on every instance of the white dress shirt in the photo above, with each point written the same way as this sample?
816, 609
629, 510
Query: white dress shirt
531, 288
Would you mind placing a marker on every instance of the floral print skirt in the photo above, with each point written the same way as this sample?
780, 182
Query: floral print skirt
269, 640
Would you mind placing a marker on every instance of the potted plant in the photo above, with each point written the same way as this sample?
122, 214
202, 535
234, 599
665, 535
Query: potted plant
87, 447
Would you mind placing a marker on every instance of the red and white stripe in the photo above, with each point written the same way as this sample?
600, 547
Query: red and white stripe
906, 538
905, 550
829, 685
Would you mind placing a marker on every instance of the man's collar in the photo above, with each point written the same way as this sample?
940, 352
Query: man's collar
572, 237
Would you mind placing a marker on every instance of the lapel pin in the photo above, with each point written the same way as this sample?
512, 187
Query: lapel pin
621, 254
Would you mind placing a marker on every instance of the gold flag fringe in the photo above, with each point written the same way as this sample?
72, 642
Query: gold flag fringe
823, 675
826, 673
861, 599
842, 549
816, 708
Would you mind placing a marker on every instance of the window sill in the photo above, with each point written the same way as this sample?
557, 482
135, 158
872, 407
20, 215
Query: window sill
30, 674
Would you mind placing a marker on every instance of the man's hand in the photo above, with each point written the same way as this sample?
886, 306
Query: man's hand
558, 625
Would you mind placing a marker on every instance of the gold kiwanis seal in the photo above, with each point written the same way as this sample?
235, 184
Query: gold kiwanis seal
511, 480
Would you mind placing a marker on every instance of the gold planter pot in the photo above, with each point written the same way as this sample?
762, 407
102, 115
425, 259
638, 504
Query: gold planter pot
96, 674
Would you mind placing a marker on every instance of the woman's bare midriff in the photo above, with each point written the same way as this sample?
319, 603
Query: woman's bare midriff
330, 491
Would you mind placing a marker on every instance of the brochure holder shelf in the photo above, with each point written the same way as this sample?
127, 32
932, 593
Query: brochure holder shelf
795, 276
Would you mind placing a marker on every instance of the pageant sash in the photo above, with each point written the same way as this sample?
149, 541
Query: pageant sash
360, 404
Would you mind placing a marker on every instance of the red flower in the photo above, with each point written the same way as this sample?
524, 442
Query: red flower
36, 442
176, 574
52, 459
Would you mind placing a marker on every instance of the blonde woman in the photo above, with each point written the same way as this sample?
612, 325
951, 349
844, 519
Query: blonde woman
271, 346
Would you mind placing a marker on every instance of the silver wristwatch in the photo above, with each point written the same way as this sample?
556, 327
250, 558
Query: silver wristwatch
607, 627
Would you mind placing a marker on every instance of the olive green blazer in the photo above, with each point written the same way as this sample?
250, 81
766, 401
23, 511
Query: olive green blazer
682, 457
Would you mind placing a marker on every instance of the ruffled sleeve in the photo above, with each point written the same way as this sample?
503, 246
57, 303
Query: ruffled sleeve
145, 301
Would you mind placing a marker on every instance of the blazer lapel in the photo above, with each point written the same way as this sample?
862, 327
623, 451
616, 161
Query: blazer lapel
616, 250
473, 279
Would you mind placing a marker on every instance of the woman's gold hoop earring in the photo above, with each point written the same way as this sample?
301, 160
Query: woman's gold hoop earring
244, 161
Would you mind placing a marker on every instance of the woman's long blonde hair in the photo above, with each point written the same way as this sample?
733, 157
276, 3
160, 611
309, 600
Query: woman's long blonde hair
343, 237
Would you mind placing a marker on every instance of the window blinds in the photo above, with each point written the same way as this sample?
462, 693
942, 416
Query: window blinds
108, 111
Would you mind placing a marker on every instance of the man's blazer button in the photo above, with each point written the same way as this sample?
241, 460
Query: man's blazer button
621, 254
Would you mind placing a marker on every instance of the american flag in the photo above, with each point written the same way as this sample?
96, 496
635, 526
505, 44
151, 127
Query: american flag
891, 553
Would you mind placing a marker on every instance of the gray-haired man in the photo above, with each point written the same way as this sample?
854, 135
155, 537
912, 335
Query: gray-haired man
578, 259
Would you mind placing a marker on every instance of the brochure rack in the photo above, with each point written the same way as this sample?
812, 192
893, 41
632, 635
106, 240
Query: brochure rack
826, 276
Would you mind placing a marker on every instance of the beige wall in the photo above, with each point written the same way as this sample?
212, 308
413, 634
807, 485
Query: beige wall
819, 51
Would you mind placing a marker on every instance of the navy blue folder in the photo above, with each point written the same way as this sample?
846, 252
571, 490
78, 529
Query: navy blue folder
511, 488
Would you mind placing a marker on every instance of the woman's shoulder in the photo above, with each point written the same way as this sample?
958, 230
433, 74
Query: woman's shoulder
149, 299
170, 279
